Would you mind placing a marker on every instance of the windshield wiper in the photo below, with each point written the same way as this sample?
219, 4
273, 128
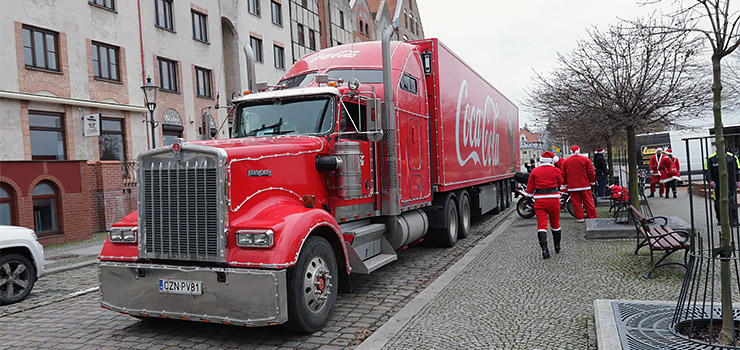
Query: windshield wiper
263, 127
279, 132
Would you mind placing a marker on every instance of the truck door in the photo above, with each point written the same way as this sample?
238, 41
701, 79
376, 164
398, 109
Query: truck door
413, 139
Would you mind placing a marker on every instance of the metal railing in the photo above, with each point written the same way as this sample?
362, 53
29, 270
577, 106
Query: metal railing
128, 170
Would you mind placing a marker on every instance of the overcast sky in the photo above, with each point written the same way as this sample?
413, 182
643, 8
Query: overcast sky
507, 41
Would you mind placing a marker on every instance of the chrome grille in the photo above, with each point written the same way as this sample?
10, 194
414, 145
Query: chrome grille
180, 207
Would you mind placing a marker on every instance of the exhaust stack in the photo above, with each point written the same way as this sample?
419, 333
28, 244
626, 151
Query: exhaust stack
251, 81
390, 201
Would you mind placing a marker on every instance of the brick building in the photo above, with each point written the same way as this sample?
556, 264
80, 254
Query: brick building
71, 107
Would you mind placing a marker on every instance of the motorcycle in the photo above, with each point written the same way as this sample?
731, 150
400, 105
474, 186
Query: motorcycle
525, 205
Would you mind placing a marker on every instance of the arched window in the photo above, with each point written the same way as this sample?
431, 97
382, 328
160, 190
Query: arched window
362, 28
45, 205
7, 205
367, 29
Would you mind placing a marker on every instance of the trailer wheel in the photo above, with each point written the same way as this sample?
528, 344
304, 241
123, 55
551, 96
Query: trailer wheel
464, 215
312, 286
507, 194
499, 200
447, 236
17, 276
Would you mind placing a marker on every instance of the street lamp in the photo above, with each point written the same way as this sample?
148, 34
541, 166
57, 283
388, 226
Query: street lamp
150, 99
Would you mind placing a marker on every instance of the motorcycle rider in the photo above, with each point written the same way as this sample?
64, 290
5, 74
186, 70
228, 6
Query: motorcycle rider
544, 183
578, 177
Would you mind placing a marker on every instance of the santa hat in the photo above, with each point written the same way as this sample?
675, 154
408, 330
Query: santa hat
547, 157
668, 151
658, 149
555, 159
599, 150
575, 149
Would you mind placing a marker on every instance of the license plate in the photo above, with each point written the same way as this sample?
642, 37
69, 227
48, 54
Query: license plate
188, 287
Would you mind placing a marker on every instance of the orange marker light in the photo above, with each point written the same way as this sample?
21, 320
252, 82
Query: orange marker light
332, 83
309, 201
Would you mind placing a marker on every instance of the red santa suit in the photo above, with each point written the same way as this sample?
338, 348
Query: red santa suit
669, 169
653, 168
544, 187
578, 176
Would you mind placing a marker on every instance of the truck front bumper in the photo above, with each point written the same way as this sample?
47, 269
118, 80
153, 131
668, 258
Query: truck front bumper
247, 297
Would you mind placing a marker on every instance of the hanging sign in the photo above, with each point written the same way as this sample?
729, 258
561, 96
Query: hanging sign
91, 124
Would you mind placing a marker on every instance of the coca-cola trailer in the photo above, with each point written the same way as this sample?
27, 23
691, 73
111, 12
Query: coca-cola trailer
315, 184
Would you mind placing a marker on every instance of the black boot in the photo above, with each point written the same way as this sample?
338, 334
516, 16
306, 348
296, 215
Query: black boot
542, 236
674, 194
652, 194
556, 234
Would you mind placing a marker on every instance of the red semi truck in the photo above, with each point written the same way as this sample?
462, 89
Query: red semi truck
316, 184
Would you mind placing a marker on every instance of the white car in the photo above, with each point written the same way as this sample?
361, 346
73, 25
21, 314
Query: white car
21, 263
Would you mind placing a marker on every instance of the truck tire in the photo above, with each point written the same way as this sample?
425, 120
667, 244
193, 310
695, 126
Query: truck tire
507, 194
312, 287
499, 200
18, 275
447, 236
464, 214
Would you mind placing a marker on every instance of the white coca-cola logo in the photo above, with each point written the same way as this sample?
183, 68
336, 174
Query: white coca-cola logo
475, 130
340, 54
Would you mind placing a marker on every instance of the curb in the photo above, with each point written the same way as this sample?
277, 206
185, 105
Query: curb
395, 324
59, 269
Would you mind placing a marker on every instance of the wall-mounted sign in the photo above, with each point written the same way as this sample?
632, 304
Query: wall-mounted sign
91, 124
171, 117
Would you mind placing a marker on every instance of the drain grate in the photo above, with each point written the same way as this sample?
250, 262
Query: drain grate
646, 326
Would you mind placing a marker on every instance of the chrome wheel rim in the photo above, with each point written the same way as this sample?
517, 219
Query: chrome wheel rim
317, 286
465, 215
14, 279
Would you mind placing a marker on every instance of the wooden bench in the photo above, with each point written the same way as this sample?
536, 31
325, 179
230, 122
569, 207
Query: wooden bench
659, 238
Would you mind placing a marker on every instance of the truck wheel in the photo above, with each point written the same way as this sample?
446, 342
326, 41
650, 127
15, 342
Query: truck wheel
464, 215
499, 200
447, 236
312, 286
507, 194
17, 276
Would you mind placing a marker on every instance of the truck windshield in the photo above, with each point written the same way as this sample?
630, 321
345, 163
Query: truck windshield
298, 80
280, 117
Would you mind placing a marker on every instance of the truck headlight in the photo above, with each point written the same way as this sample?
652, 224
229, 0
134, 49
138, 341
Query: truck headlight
122, 235
254, 238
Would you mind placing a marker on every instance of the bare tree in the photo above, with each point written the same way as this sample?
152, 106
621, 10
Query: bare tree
625, 79
715, 21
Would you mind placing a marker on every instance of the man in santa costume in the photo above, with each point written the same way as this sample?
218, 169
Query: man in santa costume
653, 169
669, 172
544, 184
579, 176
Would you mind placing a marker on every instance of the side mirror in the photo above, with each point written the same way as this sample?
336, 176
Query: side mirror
373, 120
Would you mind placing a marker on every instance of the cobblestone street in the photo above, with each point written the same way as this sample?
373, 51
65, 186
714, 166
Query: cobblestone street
55, 319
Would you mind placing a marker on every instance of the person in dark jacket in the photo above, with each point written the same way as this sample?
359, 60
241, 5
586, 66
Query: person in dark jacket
602, 173
711, 172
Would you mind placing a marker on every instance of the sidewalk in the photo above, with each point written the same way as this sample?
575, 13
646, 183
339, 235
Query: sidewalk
68, 256
502, 294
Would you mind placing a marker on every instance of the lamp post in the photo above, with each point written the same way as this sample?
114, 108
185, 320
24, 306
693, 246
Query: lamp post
150, 99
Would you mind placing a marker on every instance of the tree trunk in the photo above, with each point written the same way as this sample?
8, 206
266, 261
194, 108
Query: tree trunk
610, 160
632, 166
726, 335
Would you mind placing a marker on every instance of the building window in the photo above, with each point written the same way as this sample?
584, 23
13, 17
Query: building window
304, 3
171, 126
253, 6
200, 26
256, 48
109, 4
341, 19
40, 49
105, 61
111, 140
279, 57
47, 136
301, 40
203, 82
362, 28
163, 13
45, 201
367, 30
312, 39
277, 14
167, 75
7, 206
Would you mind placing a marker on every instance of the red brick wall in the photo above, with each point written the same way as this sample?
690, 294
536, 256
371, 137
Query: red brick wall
90, 195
